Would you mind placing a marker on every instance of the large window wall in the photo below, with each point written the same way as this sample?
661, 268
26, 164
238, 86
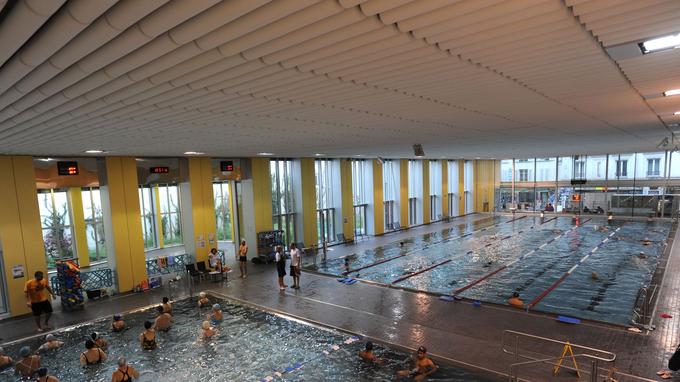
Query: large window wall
391, 194
222, 198
327, 176
468, 186
435, 190
361, 195
415, 192
55, 220
625, 184
283, 199
160, 206
94, 224
453, 198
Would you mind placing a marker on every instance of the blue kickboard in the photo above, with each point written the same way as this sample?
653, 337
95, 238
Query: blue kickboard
351, 282
344, 280
568, 320
447, 298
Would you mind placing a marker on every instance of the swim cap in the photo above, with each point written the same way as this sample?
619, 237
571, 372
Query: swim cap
25, 351
369, 345
205, 325
217, 307
94, 335
201, 295
422, 349
89, 344
117, 317
50, 337
122, 361
42, 372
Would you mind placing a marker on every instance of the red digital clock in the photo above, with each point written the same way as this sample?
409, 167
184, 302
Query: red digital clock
159, 170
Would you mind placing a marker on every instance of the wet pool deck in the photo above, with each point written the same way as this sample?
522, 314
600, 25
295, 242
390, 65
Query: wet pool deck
456, 331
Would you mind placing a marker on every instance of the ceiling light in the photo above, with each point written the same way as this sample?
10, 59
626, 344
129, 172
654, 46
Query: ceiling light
45, 159
673, 92
319, 155
661, 43
265, 154
676, 113
94, 151
193, 153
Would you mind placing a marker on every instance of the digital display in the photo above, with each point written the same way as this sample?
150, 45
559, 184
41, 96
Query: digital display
578, 181
159, 170
226, 165
67, 168
576, 197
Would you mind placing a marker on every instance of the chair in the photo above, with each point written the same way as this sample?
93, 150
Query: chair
202, 267
191, 270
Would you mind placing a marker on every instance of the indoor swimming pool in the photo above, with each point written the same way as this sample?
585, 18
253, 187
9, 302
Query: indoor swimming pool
588, 268
253, 345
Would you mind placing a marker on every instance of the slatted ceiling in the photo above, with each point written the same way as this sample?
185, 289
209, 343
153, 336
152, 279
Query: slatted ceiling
379, 105
609, 32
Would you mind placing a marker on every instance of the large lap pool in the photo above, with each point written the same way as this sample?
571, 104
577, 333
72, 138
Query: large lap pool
252, 346
589, 269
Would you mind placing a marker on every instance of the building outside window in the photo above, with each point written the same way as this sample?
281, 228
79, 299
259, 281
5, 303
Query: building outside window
222, 198
171, 221
323, 171
622, 168
415, 189
579, 169
653, 167
523, 175
55, 219
94, 224
283, 199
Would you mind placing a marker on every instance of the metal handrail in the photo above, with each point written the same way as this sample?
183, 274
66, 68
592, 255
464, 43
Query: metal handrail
514, 377
641, 311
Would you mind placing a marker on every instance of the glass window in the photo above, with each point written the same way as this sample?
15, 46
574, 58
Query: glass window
171, 221
454, 197
523, 175
94, 224
359, 196
283, 200
148, 215
391, 194
506, 170
622, 168
323, 171
222, 197
55, 220
653, 167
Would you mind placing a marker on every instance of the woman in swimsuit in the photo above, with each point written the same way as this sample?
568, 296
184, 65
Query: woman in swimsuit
124, 373
148, 336
29, 364
118, 324
93, 355
216, 316
43, 377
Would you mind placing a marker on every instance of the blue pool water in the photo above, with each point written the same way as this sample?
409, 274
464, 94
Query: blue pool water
529, 256
252, 345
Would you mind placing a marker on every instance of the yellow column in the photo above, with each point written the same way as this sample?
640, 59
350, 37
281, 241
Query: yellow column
485, 184
78, 226
309, 216
20, 228
128, 241
159, 220
461, 187
378, 208
202, 207
445, 188
403, 192
262, 195
347, 200
426, 191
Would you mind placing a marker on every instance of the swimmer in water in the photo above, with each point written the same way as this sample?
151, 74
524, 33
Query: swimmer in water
368, 355
594, 276
148, 337
98, 340
29, 363
515, 301
642, 255
401, 243
164, 320
167, 306
124, 373
202, 300
5, 360
423, 366
207, 331
43, 377
646, 241
93, 355
118, 324
216, 316
51, 342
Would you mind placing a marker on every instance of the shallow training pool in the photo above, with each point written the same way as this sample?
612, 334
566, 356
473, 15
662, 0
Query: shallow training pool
591, 269
252, 345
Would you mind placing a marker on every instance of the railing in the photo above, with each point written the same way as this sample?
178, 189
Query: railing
94, 279
172, 264
642, 313
510, 344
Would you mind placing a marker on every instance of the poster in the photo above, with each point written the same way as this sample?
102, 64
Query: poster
18, 271
211, 239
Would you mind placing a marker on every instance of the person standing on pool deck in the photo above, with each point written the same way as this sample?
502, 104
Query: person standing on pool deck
280, 266
423, 368
243, 259
295, 265
124, 373
38, 295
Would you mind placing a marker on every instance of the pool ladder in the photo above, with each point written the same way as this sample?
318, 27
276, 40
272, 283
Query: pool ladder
642, 313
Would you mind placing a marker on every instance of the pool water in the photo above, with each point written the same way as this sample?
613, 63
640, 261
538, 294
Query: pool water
490, 259
252, 345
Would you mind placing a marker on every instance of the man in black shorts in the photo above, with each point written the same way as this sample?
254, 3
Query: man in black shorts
38, 299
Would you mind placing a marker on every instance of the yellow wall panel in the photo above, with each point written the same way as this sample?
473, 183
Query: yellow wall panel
378, 210
403, 192
485, 182
309, 216
426, 191
347, 199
